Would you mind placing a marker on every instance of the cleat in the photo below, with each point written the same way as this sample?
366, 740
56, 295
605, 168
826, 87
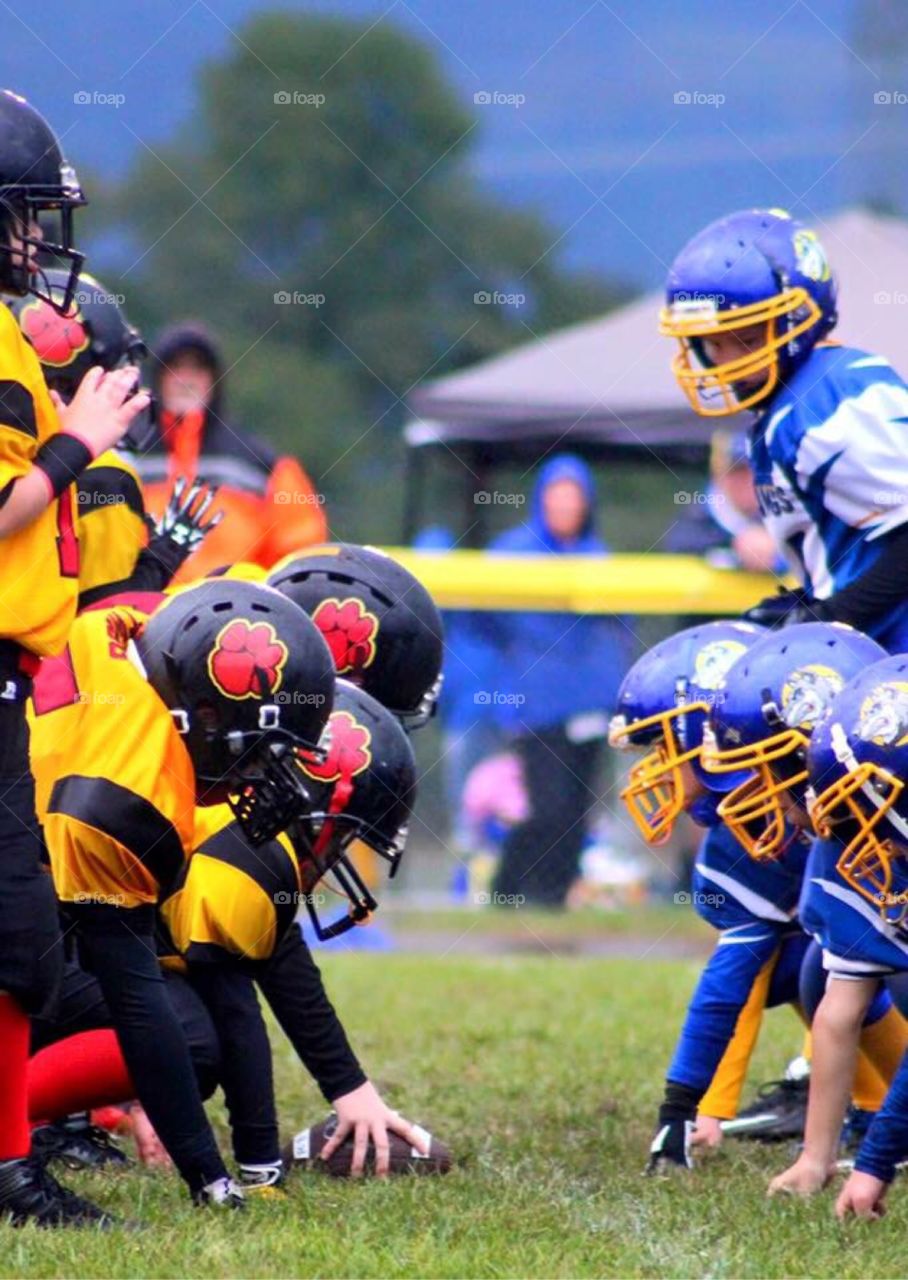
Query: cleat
778, 1115
28, 1193
77, 1144
223, 1194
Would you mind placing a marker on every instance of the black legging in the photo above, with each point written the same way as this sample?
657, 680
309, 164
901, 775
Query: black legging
118, 945
82, 1007
541, 856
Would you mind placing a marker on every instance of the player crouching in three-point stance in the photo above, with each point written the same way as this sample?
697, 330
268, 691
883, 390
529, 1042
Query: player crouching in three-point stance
150, 719
663, 705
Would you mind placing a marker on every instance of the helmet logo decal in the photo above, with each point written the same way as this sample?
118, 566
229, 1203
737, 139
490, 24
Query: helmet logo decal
807, 693
810, 256
347, 747
57, 339
247, 660
713, 661
883, 717
350, 632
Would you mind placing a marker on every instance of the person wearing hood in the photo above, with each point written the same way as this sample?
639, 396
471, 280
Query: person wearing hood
561, 673
269, 503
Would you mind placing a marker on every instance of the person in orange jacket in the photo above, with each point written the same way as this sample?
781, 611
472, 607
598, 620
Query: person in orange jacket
269, 503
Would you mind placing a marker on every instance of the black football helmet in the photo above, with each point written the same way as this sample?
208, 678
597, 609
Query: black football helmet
247, 678
363, 788
382, 627
36, 186
68, 343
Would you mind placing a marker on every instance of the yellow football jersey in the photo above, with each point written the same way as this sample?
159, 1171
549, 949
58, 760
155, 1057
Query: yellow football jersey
39, 565
231, 899
111, 524
115, 788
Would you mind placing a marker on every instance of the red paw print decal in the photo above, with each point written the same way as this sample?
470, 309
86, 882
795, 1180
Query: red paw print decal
350, 631
347, 745
247, 660
57, 339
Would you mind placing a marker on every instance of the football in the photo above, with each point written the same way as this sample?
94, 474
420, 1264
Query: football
303, 1152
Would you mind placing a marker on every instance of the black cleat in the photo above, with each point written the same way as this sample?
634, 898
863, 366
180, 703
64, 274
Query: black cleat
78, 1144
778, 1115
28, 1193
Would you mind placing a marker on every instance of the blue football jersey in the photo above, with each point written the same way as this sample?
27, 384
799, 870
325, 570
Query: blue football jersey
830, 464
857, 942
731, 891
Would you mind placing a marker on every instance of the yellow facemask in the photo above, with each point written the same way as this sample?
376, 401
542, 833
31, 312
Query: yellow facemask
711, 390
866, 861
655, 794
754, 811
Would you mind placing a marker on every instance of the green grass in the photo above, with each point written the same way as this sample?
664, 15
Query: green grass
544, 1074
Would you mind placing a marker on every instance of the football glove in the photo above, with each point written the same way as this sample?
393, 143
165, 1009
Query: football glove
787, 608
183, 520
224, 1194
670, 1148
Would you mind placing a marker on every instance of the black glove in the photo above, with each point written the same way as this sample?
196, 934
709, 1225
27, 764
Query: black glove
670, 1148
787, 608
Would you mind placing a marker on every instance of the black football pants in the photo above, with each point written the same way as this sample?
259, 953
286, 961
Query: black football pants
118, 945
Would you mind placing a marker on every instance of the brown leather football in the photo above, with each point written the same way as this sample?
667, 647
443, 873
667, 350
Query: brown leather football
303, 1152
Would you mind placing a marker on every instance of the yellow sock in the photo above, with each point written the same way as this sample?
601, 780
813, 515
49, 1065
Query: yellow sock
869, 1088
885, 1043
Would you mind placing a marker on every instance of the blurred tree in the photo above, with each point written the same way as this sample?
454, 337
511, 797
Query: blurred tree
328, 165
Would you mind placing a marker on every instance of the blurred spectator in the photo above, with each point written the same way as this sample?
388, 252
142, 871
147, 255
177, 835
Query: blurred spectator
269, 503
727, 528
469, 725
559, 677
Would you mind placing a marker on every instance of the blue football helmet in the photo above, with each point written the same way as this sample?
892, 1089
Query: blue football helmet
757, 267
782, 688
857, 764
663, 704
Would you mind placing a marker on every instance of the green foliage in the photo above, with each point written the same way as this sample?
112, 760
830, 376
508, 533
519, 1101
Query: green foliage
362, 205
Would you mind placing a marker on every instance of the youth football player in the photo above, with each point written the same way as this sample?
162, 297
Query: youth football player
663, 705
854, 901
41, 455
182, 709
752, 301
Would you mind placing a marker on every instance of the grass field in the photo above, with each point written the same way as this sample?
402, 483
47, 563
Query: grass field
543, 1072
